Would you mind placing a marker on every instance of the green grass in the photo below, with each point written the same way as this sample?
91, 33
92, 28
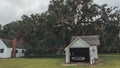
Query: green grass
109, 61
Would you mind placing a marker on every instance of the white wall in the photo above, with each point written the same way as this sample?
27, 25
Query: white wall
67, 55
95, 52
91, 55
20, 54
3, 46
8, 52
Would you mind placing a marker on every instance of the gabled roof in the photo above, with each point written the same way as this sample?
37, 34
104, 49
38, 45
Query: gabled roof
9, 44
92, 40
75, 40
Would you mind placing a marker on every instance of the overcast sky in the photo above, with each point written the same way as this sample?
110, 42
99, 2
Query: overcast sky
11, 10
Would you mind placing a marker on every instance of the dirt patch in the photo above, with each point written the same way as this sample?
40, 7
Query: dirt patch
98, 62
76, 64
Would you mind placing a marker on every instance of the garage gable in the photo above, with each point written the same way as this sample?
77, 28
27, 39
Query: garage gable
78, 43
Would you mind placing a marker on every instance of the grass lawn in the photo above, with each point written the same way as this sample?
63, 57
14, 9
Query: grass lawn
109, 61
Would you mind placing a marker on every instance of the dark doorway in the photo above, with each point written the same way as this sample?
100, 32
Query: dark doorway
79, 55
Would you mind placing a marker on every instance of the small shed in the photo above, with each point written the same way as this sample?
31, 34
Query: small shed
82, 49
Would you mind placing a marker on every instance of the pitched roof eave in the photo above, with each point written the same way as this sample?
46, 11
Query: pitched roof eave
74, 42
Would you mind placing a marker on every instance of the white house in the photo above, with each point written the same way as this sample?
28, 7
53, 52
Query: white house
82, 49
6, 48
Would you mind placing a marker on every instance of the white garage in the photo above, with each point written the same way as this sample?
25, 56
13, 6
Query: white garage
82, 49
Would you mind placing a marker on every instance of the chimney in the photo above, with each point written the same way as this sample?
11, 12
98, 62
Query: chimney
21, 41
14, 48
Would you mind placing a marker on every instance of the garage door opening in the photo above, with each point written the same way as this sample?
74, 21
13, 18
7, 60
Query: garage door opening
79, 55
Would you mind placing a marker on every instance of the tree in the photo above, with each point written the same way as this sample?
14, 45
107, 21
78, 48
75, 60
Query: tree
109, 30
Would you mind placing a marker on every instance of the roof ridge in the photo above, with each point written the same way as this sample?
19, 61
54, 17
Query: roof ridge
9, 43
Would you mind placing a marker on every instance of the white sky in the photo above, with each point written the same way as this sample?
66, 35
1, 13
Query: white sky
11, 10
109, 2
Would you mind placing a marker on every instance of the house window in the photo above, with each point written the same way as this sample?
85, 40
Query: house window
1, 50
16, 51
23, 51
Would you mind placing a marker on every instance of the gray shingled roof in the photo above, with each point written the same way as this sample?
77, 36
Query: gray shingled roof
9, 44
92, 40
